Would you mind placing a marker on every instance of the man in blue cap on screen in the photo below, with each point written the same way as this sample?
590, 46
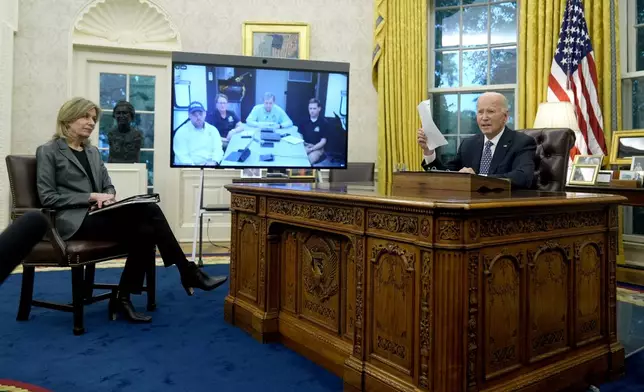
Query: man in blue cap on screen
197, 143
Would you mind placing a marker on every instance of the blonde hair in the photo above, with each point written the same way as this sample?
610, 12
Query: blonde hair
71, 111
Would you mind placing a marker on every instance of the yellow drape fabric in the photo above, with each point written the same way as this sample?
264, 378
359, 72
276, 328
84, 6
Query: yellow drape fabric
539, 24
399, 73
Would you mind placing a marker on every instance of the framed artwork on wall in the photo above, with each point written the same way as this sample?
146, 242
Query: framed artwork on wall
270, 39
626, 145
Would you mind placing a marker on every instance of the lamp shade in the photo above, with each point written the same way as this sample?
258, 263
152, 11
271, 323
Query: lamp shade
556, 115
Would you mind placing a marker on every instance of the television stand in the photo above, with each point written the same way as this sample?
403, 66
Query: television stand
200, 209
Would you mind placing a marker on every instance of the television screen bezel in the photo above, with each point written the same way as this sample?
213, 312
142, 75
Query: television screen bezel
240, 61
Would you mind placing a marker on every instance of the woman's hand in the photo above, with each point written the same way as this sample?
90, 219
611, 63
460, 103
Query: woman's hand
101, 199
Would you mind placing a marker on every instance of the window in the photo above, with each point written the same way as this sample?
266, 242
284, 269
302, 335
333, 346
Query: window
473, 50
632, 63
139, 91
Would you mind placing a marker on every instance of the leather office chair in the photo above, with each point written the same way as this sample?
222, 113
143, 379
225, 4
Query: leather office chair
355, 172
53, 251
552, 157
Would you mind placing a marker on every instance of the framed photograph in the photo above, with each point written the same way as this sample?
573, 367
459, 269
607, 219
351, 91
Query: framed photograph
251, 173
626, 145
301, 173
282, 40
604, 177
627, 175
584, 174
637, 164
589, 159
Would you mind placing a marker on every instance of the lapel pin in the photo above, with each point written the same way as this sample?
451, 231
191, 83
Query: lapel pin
505, 146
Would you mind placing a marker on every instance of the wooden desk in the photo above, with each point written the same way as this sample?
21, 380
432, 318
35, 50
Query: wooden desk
446, 293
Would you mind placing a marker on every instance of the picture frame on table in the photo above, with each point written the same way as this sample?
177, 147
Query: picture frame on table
637, 164
583, 174
301, 173
628, 175
604, 177
626, 145
589, 159
251, 173
289, 40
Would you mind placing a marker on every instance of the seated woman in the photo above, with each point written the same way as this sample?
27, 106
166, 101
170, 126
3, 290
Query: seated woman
71, 178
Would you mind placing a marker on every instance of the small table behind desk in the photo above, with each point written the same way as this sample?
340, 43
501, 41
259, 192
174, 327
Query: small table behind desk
449, 292
627, 273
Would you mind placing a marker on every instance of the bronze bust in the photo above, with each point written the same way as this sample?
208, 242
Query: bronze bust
125, 140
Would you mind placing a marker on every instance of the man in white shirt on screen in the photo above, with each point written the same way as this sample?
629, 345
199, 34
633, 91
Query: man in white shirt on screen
268, 114
197, 143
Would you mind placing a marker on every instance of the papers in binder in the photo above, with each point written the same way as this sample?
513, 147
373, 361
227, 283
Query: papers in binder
435, 138
138, 199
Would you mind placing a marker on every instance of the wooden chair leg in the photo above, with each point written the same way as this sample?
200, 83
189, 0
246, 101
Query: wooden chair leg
78, 294
151, 286
90, 276
26, 293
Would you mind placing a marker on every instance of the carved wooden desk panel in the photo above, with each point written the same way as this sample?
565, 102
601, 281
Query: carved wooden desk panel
447, 293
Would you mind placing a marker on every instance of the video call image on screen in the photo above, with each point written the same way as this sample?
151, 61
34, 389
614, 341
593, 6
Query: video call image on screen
254, 117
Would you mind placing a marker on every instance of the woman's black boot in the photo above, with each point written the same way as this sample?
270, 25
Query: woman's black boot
192, 277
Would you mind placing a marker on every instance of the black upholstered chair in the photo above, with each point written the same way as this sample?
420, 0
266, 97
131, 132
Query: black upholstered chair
355, 172
552, 157
52, 251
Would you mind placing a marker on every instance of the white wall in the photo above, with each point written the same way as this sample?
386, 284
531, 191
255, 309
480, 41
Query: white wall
271, 81
8, 26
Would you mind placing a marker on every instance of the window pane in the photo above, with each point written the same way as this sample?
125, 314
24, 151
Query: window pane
448, 151
503, 25
447, 28
639, 50
640, 11
112, 89
637, 98
104, 126
468, 113
147, 157
104, 154
446, 3
475, 26
446, 69
444, 111
142, 92
145, 123
503, 69
475, 67
509, 95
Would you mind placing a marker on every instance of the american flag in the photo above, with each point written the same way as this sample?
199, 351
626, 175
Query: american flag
573, 78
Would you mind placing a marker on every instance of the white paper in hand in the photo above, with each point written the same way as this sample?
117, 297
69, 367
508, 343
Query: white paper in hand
435, 138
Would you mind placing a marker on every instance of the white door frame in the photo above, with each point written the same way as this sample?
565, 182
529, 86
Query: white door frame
88, 61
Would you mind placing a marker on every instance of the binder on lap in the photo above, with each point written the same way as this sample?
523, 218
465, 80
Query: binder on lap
138, 199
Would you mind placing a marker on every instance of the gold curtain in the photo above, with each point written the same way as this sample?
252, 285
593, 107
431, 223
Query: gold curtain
399, 73
539, 24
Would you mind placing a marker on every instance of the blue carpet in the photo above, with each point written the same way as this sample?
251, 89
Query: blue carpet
187, 347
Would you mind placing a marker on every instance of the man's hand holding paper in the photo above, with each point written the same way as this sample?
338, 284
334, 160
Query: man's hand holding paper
431, 137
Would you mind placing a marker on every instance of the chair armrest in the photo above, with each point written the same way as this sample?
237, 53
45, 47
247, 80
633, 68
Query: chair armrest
59, 245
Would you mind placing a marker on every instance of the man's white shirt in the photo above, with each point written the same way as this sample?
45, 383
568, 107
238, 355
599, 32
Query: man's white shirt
194, 146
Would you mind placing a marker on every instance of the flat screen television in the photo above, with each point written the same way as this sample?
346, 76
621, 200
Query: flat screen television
252, 112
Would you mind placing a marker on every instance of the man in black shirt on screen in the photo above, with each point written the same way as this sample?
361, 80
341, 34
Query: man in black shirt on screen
315, 132
226, 121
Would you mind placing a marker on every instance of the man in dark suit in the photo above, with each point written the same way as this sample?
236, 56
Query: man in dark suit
497, 152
